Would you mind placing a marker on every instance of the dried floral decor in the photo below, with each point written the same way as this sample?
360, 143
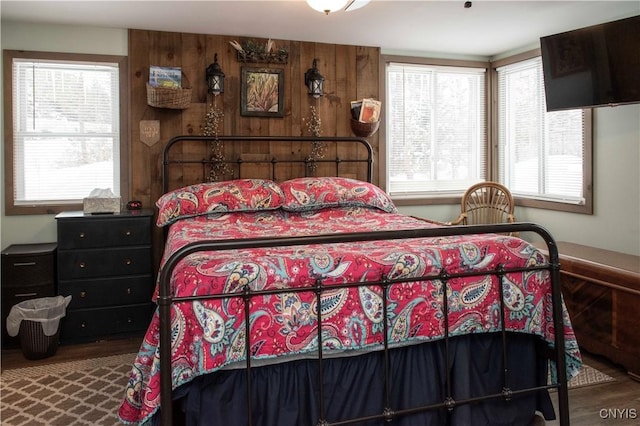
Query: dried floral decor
318, 149
219, 168
252, 51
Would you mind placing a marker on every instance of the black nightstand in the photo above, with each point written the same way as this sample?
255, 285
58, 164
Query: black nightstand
28, 272
105, 264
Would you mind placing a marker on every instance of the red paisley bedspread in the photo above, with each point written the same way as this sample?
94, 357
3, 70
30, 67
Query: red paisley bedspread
209, 335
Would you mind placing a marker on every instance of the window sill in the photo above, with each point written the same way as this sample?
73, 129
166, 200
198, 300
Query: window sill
11, 210
586, 208
422, 201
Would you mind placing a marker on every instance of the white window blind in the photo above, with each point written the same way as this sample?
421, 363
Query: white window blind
540, 154
436, 129
66, 130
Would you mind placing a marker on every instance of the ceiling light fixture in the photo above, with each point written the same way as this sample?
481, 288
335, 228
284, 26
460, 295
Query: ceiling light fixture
328, 6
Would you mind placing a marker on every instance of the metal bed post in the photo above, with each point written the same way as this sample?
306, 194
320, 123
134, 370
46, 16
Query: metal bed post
166, 402
247, 347
318, 291
558, 323
449, 402
503, 334
388, 412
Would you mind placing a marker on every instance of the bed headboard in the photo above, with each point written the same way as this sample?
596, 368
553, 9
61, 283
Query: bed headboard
190, 159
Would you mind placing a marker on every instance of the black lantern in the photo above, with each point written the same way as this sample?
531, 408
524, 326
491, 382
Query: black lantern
314, 80
215, 77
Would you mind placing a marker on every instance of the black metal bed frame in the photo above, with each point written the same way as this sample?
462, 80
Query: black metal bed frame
387, 413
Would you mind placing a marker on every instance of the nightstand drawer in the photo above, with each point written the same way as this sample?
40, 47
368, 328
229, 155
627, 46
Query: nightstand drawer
76, 264
25, 265
94, 233
107, 291
84, 324
12, 296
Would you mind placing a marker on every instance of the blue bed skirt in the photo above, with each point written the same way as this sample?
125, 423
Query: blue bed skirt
286, 394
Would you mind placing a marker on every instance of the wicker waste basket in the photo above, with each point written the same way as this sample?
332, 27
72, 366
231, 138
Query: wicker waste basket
37, 323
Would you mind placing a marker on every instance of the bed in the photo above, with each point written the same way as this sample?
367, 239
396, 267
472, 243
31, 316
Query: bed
314, 301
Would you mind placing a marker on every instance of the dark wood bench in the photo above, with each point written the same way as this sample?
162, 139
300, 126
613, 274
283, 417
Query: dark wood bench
601, 289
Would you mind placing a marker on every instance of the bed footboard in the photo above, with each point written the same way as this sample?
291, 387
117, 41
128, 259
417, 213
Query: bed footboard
388, 413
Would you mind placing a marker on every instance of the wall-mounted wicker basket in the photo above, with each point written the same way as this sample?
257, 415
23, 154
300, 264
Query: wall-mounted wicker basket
164, 97
171, 98
364, 130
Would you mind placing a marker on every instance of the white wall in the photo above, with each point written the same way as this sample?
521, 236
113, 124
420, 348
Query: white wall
615, 224
49, 38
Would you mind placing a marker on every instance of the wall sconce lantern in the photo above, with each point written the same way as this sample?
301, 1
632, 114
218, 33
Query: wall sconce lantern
215, 77
314, 80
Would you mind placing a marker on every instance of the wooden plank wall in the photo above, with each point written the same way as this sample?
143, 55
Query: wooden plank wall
351, 72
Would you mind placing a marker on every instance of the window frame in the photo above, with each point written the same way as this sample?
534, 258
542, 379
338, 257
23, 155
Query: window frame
452, 197
492, 136
587, 168
8, 56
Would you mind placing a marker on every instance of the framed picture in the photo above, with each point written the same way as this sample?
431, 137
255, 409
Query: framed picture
262, 92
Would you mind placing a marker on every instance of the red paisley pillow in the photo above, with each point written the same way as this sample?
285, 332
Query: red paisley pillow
305, 194
240, 195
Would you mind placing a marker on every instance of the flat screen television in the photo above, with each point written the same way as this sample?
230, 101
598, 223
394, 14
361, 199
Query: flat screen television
593, 66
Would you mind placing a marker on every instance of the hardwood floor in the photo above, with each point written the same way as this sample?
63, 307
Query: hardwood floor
613, 404
13, 358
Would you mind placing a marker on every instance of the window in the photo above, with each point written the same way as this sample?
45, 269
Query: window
435, 129
542, 156
66, 129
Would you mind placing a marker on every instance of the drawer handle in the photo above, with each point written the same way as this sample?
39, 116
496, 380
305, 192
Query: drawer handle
25, 294
82, 265
83, 294
83, 325
129, 320
82, 235
127, 232
25, 264
128, 262
129, 290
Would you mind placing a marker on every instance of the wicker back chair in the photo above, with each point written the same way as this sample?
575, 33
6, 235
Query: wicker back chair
486, 203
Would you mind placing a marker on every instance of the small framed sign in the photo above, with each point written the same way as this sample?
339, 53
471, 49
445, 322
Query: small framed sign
149, 131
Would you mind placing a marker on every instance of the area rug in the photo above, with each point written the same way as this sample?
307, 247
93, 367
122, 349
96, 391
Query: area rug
86, 392
589, 376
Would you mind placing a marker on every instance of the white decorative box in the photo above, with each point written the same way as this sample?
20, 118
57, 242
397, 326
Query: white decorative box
101, 201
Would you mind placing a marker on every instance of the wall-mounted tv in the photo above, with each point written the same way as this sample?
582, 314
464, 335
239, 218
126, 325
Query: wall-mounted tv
593, 66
